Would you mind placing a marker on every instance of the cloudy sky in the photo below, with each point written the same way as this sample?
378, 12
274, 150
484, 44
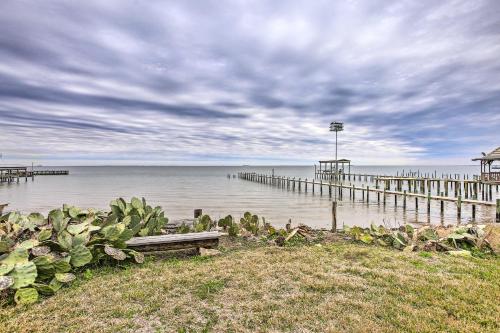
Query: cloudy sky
239, 82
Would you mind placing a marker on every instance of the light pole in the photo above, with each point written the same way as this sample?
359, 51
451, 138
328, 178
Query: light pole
336, 127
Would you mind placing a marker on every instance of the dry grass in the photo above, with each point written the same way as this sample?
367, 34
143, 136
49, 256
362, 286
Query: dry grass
329, 288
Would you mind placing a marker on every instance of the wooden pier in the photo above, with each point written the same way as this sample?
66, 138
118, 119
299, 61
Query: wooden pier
451, 185
11, 174
382, 194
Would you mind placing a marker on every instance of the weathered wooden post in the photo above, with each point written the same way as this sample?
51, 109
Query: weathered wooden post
498, 211
473, 211
429, 201
334, 216
197, 213
459, 206
330, 188
305, 186
404, 199
321, 187
367, 194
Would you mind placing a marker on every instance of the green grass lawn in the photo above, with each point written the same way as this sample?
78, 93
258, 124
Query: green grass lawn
334, 287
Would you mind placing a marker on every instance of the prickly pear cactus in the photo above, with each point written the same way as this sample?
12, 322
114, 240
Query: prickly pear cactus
116, 254
65, 277
38, 254
250, 223
23, 274
80, 256
26, 296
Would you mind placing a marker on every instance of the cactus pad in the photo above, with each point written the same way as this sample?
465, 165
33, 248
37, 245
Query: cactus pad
115, 253
24, 274
26, 296
38, 251
6, 268
65, 277
80, 256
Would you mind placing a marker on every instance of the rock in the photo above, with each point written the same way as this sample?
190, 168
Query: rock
208, 252
492, 235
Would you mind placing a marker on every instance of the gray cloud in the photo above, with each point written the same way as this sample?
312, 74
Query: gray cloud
229, 81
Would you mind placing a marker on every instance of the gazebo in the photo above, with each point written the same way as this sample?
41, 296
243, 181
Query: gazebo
328, 167
487, 176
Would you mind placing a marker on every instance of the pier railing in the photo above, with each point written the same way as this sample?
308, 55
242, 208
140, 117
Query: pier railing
451, 185
305, 185
490, 177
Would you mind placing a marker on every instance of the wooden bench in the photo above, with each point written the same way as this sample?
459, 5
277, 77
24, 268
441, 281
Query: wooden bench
209, 239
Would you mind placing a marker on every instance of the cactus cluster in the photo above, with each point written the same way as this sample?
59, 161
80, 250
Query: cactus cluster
39, 254
249, 224
463, 240
203, 223
228, 224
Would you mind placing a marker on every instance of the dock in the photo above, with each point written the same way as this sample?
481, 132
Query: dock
382, 194
469, 187
11, 174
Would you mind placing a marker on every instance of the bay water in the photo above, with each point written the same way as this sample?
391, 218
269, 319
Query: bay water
181, 189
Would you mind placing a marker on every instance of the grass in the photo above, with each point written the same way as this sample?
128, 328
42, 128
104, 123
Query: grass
334, 287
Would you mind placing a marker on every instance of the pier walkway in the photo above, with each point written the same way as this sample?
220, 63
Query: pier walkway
303, 185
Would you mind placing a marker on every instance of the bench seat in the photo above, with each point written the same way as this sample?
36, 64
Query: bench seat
208, 239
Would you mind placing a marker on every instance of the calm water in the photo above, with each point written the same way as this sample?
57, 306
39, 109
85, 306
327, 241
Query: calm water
179, 190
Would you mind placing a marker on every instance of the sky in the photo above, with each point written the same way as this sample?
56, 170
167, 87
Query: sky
248, 82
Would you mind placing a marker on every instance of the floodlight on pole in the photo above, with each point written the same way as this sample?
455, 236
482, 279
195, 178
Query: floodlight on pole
336, 127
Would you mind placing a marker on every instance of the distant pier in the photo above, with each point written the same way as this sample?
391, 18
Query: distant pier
11, 174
